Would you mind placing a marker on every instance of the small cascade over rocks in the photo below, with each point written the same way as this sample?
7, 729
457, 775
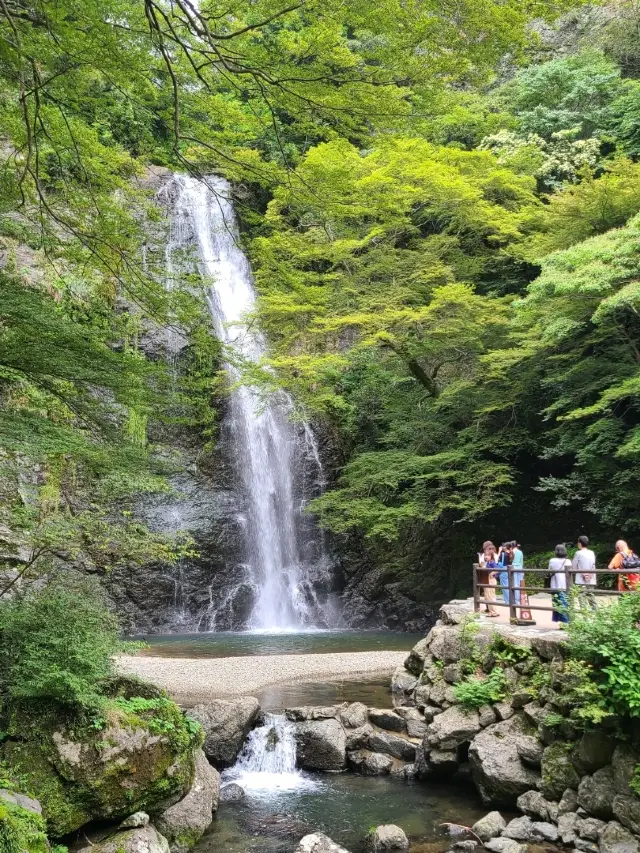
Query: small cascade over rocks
268, 759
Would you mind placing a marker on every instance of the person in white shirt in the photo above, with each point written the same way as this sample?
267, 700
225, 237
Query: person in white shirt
584, 565
558, 566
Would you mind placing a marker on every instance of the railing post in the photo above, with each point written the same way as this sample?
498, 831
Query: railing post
476, 591
513, 612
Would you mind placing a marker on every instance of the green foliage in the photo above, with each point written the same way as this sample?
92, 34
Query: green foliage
21, 830
57, 645
608, 642
476, 691
160, 716
506, 653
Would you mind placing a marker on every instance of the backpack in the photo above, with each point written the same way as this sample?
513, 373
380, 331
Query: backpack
631, 561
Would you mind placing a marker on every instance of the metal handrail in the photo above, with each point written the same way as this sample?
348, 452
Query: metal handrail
513, 588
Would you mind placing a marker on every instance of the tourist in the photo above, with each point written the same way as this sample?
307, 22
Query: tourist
558, 566
518, 569
625, 558
488, 560
584, 566
505, 559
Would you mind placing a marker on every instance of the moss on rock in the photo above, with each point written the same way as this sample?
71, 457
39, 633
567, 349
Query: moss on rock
21, 830
138, 755
558, 772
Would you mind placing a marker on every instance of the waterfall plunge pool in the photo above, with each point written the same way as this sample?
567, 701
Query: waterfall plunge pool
225, 644
345, 807
282, 803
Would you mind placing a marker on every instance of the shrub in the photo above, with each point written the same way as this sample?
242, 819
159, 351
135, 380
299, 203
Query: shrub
608, 639
56, 643
474, 692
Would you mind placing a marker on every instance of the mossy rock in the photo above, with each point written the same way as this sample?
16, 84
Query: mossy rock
21, 830
137, 757
558, 772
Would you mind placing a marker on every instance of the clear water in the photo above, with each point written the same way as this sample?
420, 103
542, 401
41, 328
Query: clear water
286, 566
235, 644
373, 693
345, 807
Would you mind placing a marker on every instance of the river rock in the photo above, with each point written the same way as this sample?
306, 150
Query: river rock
389, 744
441, 762
321, 745
533, 804
589, 828
319, 843
354, 716
614, 838
414, 664
489, 826
185, 822
232, 793
627, 810
327, 712
445, 643
596, 793
16, 799
594, 751
387, 719
144, 839
226, 724
530, 750
486, 716
370, 763
624, 763
389, 839
498, 773
544, 831
558, 771
568, 801
585, 846
503, 710
135, 821
519, 829
568, 827
359, 738
452, 728
422, 694
403, 684
505, 845
415, 721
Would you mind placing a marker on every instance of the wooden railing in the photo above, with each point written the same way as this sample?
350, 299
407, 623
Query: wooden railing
524, 591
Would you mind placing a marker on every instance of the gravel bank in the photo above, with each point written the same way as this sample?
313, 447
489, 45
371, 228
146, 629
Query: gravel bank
190, 680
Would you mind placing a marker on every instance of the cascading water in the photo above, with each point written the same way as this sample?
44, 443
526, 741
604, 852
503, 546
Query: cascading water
268, 759
285, 568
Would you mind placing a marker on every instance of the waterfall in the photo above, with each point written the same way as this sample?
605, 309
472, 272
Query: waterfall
268, 759
283, 566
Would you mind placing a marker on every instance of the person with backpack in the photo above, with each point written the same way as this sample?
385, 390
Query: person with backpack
626, 559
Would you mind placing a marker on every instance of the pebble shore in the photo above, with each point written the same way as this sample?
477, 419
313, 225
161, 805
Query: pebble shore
192, 680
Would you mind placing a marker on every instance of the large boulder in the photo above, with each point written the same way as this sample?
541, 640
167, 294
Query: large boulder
389, 838
403, 683
319, 843
144, 839
445, 643
451, 728
624, 763
594, 751
141, 759
498, 773
321, 745
596, 793
414, 664
226, 724
415, 720
185, 822
359, 738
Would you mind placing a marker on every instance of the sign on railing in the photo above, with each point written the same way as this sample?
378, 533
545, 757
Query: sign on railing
522, 604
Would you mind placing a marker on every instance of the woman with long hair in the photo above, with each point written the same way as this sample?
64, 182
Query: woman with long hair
488, 560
